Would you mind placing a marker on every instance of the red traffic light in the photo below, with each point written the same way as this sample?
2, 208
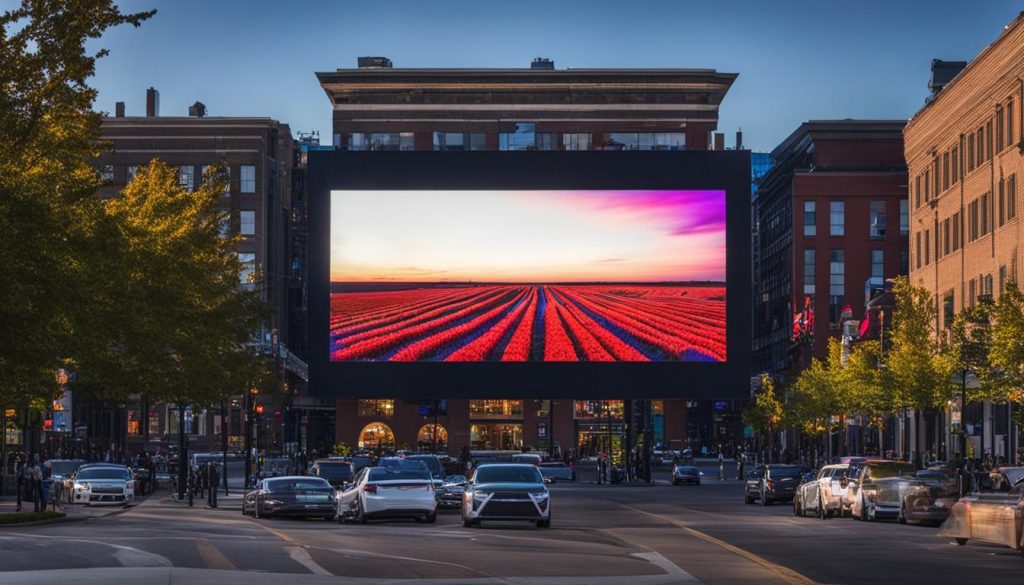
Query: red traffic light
259, 409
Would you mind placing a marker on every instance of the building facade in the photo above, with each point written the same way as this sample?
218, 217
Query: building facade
831, 222
379, 107
965, 156
259, 154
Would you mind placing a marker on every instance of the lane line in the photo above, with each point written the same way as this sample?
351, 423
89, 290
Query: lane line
301, 556
785, 573
659, 560
212, 556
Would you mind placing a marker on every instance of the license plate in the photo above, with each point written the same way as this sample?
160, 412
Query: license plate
310, 506
312, 498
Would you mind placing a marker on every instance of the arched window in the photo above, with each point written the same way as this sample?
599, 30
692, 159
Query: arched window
376, 435
425, 438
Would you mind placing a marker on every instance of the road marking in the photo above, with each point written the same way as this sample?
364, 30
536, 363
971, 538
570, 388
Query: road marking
670, 568
213, 558
301, 555
785, 573
126, 555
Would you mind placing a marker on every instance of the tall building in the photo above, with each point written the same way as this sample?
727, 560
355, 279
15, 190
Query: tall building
379, 107
831, 224
965, 157
257, 205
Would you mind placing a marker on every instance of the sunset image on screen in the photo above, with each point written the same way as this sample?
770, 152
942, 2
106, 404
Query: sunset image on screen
553, 276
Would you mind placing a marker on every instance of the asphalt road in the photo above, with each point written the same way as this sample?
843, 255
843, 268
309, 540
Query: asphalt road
600, 535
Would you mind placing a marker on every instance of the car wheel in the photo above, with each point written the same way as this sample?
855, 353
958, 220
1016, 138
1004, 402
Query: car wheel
360, 512
961, 541
431, 518
545, 523
764, 498
822, 513
747, 498
467, 523
796, 507
864, 511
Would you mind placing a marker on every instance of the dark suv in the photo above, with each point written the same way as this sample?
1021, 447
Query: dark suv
773, 483
337, 472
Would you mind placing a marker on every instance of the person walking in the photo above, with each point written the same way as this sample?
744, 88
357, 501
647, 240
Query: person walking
721, 464
21, 480
213, 479
38, 505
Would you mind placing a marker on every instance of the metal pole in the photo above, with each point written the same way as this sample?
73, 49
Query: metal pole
224, 444
182, 453
963, 415
3, 447
551, 428
144, 422
247, 443
608, 405
437, 406
648, 440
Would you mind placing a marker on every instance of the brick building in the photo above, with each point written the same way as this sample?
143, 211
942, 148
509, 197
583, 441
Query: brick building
964, 153
379, 107
260, 155
831, 226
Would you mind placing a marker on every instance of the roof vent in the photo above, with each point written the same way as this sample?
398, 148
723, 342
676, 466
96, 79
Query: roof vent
542, 63
373, 62
943, 72
197, 110
119, 109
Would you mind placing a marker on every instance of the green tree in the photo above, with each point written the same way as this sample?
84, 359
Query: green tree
764, 413
1006, 352
919, 366
48, 200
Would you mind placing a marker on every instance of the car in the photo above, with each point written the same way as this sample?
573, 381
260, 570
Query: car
105, 483
686, 474
61, 471
823, 494
276, 467
878, 489
929, 499
337, 472
389, 492
452, 490
773, 483
506, 491
531, 458
291, 495
556, 471
989, 517
433, 463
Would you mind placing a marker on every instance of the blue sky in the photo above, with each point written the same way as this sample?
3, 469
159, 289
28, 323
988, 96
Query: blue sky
797, 60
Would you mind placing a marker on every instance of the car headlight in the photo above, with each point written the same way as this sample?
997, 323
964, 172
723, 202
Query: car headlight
480, 495
81, 486
272, 502
540, 495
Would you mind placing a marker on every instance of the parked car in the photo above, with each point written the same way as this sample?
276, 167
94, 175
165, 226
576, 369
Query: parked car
686, 474
553, 471
452, 490
929, 498
823, 495
879, 488
104, 483
531, 458
294, 495
1004, 478
389, 492
506, 491
990, 517
773, 483
337, 472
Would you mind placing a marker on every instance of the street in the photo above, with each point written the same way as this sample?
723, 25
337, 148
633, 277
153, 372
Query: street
600, 534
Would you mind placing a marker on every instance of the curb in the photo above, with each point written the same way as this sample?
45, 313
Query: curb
61, 520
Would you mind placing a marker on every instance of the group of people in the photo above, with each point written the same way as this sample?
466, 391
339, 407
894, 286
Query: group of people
204, 481
32, 481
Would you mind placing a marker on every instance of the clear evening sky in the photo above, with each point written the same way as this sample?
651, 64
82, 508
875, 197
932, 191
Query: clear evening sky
797, 60
527, 236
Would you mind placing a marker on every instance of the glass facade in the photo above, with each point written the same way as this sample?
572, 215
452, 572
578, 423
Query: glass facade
496, 436
523, 138
376, 408
496, 409
380, 141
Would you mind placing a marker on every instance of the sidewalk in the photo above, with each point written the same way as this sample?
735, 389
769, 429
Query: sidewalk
72, 512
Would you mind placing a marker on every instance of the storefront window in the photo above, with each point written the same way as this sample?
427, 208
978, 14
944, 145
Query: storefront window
133, 422
585, 409
496, 436
426, 438
376, 435
496, 408
377, 408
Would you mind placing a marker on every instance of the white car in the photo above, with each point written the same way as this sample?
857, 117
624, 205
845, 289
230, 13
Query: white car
388, 492
104, 483
824, 495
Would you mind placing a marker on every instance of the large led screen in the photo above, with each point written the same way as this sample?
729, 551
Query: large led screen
527, 275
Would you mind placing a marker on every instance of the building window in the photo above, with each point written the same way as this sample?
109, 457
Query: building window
598, 409
388, 141
576, 141
972, 291
972, 221
376, 408
956, 164
917, 191
224, 223
983, 212
227, 179
948, 311
187, 177
878, 219
1009, 122
946, 237
106, 173
810, 218
917, 250
247, 178
669, 140
1002, 202
988, 140
904, 262
927, 247
988, 285
523, 138
927, 185
496, 409
935, 173
980, 151
970, 152
132, 171
904, 217
1011, 197
945, 171
247, 223
877, 264
547, 141
837, 218
999, 128
836, 282
247, 276
957, 229
809, 271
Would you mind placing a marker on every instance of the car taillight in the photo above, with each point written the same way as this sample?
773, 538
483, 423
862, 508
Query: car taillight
370, 488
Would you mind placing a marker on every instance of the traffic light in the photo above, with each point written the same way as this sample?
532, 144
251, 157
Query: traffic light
259, 409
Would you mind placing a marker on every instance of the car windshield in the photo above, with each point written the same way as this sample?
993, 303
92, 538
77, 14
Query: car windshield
342, 471
686, 469
786, 471
397, 474
553, 464
508, 474
103, 473
890, 470
304, 483
277, 463
64, 467
432, 462
455, 479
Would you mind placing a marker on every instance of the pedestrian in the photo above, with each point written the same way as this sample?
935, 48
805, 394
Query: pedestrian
721, 464
38, 505
22, 479
214, 481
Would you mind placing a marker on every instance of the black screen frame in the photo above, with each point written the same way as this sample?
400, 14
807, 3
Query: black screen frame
696, 170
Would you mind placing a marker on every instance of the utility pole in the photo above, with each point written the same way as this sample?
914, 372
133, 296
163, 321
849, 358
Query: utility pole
551, 428
648, 439
247, 443
436, 406
224, 444
144, 422
182, 453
